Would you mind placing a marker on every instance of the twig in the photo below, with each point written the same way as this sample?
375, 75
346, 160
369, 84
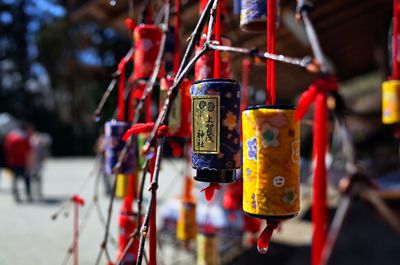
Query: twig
213, 14
304, 62
138, 217
103, 248
153, 189
335, 228
110, 87
302, 13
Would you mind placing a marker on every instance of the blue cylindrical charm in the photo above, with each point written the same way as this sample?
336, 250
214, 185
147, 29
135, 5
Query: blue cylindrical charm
215, 132
113, 131
253, 15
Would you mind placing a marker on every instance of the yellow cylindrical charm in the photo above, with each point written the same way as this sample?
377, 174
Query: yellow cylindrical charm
391, 101
207, 249
271, 162
187, 227
122, 185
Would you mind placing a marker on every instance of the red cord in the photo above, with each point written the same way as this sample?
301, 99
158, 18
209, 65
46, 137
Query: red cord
245, 83
317, 92
319, 210
395, 68
217, 54
121, 90
153, 225
177, 36
270, 64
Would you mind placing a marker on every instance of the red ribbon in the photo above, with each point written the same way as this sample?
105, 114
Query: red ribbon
270, 64
177, 36
217, 54
210, 190
121, 89
317, 92
265, 237
145, 128
395, 67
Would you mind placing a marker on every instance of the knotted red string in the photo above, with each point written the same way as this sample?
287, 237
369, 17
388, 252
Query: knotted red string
317, 92
395, 41
121, 89
270, 64
78, 200
145, 128
265, 237
210, 190
328, 84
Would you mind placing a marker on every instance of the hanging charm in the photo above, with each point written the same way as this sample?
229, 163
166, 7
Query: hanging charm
114, 130
271, 166
391, 102
271, 162
179, 117
207, 248
186, 228
204, 67
127, 226
147, 39
215, 134
253, 15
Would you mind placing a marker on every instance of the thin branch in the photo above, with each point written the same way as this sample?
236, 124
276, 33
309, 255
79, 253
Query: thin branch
304, 62
139, 214
195, 37
213, 14
111, 86
153, 197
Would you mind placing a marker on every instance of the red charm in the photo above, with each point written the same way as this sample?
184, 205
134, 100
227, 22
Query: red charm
147, 45
179, 121
204, 67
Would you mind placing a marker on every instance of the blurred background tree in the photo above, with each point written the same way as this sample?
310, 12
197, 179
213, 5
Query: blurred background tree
53, 71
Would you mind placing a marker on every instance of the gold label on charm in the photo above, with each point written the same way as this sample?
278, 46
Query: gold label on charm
174, 118
205, 117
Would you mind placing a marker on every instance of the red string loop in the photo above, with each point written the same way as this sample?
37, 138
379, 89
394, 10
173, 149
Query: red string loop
210, 190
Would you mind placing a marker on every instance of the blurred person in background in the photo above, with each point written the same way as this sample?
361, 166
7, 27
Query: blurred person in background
17, 149
40, 150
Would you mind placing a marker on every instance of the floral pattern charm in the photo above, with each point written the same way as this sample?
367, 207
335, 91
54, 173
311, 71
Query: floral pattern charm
271, 161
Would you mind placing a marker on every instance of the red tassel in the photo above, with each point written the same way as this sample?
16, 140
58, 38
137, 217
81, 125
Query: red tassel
265, 237
210, 190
